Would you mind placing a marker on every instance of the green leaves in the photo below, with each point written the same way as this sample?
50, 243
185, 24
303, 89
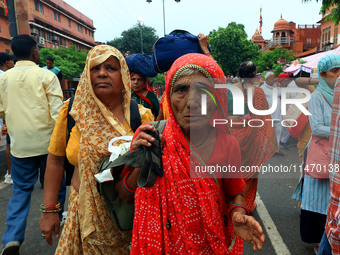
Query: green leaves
158, 80
69, 60
334, 13
130, 40
274, 60
230, 47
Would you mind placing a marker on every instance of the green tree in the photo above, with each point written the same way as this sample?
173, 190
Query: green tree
130, 40
230, 47
274, 60
158, 80
69, 60
335, 12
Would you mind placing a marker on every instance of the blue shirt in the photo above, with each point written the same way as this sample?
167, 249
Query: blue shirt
55, 70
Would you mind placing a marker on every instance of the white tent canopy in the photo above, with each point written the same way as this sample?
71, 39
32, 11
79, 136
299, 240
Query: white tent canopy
310, 62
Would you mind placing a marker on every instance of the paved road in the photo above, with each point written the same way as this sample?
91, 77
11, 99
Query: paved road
277, 212
275, 191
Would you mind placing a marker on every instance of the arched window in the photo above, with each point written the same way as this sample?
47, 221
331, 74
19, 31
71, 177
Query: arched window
283, 34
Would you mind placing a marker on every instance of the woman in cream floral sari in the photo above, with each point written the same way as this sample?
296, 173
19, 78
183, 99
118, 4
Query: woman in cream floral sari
101, 110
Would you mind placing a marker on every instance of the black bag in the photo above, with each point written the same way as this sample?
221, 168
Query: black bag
135, 122
167, 49
69, 168
151, 161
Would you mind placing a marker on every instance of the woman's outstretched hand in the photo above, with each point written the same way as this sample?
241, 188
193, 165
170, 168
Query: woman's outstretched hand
249, 229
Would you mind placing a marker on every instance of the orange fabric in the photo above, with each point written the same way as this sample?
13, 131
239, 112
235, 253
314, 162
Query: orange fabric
258, 144
165, 106
249, 192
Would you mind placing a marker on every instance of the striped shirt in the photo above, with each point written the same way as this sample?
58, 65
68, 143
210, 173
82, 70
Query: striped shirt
333, 213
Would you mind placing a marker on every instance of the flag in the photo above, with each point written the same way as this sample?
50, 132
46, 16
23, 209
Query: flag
4, 3
261, 20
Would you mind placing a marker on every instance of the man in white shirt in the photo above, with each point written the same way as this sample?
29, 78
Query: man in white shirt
30, 100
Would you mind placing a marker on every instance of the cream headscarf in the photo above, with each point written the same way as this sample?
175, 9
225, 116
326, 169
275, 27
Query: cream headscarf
98, 126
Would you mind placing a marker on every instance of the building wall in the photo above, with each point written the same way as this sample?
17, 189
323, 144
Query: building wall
59, 24
5, 41
5, 38
21, 9
329, 38
329, 35
298, 47
53, 19
309, 35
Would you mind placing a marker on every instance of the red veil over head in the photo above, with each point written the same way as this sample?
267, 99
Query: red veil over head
180, 214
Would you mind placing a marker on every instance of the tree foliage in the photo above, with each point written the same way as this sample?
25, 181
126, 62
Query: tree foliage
69, 60
274, 60
230, 47
130, 40
326, 5
158, 80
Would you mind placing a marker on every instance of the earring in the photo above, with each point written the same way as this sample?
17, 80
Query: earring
123, 91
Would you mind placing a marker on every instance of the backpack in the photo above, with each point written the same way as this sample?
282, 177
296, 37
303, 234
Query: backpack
141, 64
167, 49
150, 159
135, 122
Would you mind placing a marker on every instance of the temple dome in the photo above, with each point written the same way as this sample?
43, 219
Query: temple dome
281, 24
257, 36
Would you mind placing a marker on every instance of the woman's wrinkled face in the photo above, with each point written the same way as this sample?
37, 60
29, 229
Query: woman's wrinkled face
137, 83
186, 102
331, 76
106, 77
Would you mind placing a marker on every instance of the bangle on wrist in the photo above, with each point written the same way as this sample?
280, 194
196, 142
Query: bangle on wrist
50, 208
238, 206
208, 54
126, 188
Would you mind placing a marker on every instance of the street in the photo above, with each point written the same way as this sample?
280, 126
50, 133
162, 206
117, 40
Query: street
276, 211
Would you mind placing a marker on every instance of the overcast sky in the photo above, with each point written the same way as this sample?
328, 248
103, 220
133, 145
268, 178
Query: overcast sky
112, 17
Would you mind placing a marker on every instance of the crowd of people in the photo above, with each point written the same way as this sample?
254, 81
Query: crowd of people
184, 211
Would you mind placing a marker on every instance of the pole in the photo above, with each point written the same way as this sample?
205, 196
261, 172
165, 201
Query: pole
141, 37
12, 20
164, 17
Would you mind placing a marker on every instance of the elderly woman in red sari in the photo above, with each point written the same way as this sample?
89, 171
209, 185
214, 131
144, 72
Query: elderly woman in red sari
258, 144
188, 211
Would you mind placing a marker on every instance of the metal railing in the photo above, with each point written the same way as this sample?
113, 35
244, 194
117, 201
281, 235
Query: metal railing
309, 26
281, 41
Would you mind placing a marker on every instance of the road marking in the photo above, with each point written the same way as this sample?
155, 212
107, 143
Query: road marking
275, 238
3, 185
